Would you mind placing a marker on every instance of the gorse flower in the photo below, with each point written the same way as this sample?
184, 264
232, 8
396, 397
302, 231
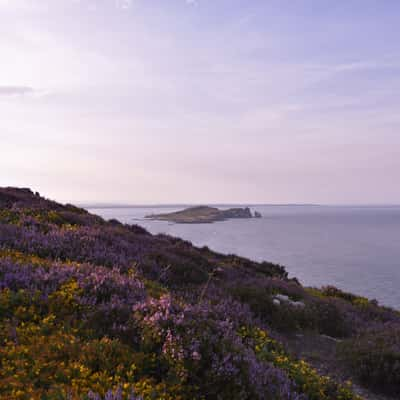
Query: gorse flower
98, 310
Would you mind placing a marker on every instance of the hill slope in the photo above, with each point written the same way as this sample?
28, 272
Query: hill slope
93, 309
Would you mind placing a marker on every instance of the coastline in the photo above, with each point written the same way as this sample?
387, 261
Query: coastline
110, 285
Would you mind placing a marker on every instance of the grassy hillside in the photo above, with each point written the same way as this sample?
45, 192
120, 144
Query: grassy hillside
94, 309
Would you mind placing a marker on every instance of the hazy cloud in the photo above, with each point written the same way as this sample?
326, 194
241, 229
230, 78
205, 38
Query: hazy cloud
123, 4
16, 90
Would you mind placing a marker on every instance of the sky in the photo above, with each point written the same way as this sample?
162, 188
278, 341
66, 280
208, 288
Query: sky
201, 101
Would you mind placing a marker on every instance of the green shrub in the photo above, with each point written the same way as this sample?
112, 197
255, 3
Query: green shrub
375, 358
281, 317
319, 314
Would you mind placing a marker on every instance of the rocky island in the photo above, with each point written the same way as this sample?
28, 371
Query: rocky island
204, 214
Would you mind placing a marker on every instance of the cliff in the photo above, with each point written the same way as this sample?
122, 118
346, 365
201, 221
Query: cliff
93, 309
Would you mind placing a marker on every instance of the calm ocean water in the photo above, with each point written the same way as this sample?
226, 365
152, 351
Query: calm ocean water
354, 248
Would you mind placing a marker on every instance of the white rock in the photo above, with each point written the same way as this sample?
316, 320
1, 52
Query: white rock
331, 338
282, 297
276, 302
299, 304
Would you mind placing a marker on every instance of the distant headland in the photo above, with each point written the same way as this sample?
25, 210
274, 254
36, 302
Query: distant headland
204, 215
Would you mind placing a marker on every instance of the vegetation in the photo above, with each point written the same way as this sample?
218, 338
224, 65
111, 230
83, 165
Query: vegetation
375, 357
203, 214
97, 310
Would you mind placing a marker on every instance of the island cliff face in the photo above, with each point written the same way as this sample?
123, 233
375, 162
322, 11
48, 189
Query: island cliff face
93, 310
203, 214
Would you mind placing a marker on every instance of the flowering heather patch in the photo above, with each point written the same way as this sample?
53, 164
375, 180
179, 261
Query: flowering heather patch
98, 310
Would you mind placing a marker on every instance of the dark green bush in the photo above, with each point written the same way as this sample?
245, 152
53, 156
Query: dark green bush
322, 315
375, 358
281, 317
178, 271
329, 319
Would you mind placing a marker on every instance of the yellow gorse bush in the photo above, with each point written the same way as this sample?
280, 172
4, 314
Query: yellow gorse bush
310, 382
44, 358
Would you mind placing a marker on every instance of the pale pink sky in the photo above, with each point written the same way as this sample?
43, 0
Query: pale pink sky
201, 101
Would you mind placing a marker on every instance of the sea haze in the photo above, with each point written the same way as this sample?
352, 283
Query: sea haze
354, 248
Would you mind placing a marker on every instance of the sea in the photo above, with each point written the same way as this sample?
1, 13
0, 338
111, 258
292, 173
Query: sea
355, 248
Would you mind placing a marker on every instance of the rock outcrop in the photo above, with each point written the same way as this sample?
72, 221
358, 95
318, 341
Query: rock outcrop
202, 214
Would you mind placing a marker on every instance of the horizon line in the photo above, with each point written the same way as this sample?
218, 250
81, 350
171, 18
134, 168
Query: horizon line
90, 205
